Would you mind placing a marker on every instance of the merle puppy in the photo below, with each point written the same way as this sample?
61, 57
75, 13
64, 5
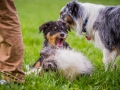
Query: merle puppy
55, 33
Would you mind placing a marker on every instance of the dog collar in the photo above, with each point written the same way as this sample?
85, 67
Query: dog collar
84, 29
84, 25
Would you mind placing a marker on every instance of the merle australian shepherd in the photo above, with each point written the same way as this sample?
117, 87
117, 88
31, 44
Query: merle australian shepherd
100, 23
55, 33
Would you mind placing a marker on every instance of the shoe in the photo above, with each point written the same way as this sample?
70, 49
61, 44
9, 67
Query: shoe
3, 82
9, 78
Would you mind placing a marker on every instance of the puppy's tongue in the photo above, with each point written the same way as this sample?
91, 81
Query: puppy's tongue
60, 42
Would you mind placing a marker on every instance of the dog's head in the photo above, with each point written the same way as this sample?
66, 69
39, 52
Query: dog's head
71, 13
55, 32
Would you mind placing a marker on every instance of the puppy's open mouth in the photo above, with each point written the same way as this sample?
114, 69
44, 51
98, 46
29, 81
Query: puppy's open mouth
59, 42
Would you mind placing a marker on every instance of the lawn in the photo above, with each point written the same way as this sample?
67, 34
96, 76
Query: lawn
33, 13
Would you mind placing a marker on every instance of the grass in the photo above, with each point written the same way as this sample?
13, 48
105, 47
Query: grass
33, 13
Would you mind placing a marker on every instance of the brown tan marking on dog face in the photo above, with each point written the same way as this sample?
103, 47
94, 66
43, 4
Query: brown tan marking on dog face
55, 32
69, 20
56, 39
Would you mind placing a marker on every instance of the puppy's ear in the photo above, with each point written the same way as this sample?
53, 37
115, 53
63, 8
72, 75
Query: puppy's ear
45, 26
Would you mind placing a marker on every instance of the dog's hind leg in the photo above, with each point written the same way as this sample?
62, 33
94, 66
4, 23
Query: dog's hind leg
109, 58
36, 68
38, 63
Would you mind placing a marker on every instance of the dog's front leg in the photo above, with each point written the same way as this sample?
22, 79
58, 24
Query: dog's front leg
109, 58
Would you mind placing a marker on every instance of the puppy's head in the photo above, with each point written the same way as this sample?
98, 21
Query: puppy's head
55, 32
70, 13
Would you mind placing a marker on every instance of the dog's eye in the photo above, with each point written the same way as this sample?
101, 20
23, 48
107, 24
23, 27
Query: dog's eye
55, 28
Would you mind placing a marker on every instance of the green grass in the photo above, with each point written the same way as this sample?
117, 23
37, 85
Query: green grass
33, 13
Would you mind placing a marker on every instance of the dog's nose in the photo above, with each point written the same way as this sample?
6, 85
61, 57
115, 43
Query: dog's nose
62, 34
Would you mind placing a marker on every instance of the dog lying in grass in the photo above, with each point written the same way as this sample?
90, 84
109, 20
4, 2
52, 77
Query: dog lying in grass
68, 62
55, 34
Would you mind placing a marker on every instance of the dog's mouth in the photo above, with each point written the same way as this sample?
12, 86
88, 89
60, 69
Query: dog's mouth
59, 42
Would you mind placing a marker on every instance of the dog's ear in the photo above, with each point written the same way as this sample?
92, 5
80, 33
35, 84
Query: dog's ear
45, 26
74, 7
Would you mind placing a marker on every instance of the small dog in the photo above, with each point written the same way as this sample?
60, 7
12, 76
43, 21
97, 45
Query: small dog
55, 33
68, 62
100, 23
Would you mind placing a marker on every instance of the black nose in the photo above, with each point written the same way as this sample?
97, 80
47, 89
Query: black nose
62, 34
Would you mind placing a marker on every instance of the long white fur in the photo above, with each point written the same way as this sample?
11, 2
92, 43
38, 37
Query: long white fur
71, 63
91, 11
